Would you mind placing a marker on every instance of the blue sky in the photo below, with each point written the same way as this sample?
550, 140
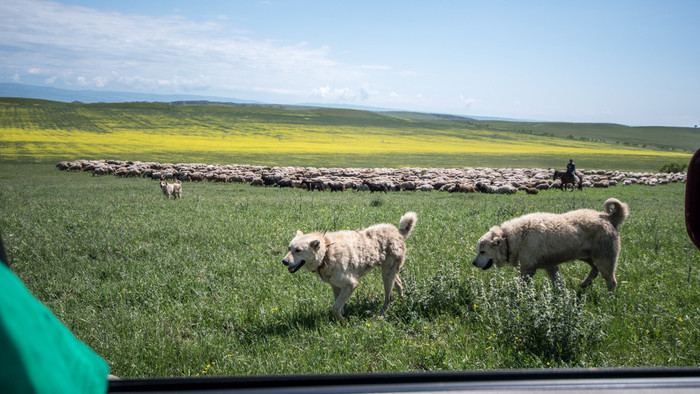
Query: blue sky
628, 62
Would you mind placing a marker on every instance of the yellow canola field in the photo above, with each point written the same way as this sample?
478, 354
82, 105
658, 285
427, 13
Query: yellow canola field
52, 143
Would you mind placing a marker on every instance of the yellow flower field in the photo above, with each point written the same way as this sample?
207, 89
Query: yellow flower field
46, 131
53, 143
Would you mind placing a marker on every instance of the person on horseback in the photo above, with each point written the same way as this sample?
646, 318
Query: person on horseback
571, 169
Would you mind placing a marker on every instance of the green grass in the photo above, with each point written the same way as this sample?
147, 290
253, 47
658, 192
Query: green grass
196, 286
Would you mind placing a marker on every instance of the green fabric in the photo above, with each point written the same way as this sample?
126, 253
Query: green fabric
38, 354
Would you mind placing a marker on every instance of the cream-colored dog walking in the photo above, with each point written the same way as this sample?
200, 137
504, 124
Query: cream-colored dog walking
545, 240
341, 258
171, 189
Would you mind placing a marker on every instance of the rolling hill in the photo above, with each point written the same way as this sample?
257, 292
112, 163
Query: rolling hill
41, 130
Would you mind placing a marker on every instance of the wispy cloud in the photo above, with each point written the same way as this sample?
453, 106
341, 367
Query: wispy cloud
466, 102
83, 47
344, 94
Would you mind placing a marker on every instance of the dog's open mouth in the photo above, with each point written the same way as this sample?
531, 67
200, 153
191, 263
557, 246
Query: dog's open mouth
488, 265
294, 268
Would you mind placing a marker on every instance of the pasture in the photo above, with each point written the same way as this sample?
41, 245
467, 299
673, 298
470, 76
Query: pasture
196, 287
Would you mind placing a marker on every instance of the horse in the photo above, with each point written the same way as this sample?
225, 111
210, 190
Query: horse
568, 178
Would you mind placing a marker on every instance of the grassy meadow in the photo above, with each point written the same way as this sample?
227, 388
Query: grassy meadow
196, 287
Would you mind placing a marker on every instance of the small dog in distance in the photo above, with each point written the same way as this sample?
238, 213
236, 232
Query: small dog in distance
171, 189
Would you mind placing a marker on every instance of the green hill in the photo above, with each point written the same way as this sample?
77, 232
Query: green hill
674, 138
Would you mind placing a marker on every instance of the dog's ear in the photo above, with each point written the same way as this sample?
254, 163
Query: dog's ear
315, 243
299, 233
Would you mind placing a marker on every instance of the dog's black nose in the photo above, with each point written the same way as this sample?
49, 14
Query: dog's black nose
474, 262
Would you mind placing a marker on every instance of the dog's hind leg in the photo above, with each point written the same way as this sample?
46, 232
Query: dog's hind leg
591, 275
390, 277
608, 274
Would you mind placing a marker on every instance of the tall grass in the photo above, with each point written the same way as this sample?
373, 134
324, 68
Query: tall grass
196, 286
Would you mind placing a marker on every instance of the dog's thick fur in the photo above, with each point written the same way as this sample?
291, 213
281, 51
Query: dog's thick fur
341, 258
545, 240
171, 189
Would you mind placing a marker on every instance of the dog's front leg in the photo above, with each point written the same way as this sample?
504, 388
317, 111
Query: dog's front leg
336, 292
591, 276
526, 273
341, 299
554, 275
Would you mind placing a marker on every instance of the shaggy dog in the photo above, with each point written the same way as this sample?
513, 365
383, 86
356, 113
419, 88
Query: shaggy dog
341, 258
545, 240
171, 189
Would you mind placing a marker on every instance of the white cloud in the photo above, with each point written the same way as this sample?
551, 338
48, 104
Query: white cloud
346, 94
466, 102
114, 50
375, 67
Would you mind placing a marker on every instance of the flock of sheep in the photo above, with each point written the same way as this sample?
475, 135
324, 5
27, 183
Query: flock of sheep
484, 180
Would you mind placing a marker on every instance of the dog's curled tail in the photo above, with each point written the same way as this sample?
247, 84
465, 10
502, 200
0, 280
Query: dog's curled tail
406, 224
617, 211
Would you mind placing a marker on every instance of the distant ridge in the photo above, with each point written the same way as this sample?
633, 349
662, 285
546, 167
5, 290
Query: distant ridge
94, 96
19, 90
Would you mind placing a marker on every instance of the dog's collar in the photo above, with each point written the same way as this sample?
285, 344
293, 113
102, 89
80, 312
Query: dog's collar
320, 267
324, 261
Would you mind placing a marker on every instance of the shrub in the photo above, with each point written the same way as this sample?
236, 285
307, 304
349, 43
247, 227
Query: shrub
547, 322
376, 202
673, 168
444, 293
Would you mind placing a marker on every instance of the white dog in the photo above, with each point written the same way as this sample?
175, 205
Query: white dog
171, 189
545, 240
341, 258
